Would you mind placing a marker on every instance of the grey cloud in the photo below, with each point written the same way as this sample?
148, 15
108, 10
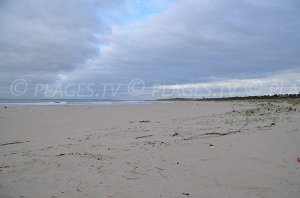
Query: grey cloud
51, 35
193, 40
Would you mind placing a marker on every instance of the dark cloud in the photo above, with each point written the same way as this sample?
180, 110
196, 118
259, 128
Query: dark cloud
190, 41
193, 40
52, 35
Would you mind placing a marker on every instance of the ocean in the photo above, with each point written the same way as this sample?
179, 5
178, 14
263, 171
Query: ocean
68, 102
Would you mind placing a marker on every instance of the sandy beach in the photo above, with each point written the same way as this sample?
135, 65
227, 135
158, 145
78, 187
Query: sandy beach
164, 149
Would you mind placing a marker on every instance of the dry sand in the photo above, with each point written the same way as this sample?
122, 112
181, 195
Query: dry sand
95, 151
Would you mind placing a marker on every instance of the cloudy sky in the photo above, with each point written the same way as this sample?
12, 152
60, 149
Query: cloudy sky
200, 47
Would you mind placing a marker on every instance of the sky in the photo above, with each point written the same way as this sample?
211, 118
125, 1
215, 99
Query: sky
148, 49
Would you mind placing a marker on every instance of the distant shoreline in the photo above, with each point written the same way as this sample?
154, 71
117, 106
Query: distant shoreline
235, 98
46, 101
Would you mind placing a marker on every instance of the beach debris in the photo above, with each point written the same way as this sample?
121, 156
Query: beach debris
5, 166
177, 162
187, 194
134, 170
5, 107
212, 146
175, 134
10, 154
272, 124
215, 133
4, 144
145, 136
155, 143
298, 159
144, 121
61, 154
130, 178
77, 188
159, 168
